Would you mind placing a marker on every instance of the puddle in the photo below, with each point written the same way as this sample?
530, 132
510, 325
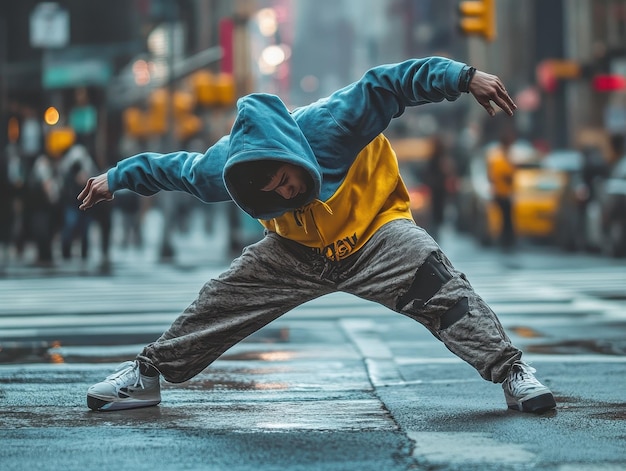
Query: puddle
580, 347
225, 384
72, 349
27, 352
567, 399
620, 415
613, 411
611, 296
274, 355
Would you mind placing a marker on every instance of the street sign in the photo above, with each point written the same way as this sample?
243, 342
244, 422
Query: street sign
74, 74
75, 67
49, 26
550, 71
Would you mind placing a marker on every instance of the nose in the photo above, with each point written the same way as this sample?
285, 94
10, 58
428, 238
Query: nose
284, 191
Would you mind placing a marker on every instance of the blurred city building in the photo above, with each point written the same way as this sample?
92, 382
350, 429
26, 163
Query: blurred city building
564, 60
165, 74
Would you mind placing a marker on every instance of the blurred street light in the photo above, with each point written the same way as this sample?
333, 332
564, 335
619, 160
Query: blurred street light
141, 72
51, 116
268, 23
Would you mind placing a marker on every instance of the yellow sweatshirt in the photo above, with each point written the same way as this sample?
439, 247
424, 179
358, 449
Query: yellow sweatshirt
371, 195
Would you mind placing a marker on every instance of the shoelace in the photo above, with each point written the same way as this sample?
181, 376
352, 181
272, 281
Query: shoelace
522, 378
124, 371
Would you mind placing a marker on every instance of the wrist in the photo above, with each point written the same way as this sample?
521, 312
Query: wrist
466, 78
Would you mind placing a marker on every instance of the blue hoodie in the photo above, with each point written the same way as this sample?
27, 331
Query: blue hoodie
326, 138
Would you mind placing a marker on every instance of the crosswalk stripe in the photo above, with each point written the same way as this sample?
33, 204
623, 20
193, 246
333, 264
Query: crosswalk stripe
41, 307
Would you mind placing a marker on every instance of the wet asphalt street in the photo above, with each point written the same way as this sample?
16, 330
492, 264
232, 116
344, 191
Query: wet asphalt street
337, 384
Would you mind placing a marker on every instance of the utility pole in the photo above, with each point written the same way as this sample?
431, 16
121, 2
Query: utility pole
243, 10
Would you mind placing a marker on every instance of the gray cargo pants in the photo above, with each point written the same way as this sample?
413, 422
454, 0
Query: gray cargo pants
400, 267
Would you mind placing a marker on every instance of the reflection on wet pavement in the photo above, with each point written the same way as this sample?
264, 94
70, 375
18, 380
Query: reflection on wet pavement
580, 347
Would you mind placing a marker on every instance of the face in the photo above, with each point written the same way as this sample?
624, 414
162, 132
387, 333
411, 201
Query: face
289, 181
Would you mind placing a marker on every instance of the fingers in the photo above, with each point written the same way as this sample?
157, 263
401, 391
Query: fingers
92, 200
86, 196
505, 102
96, 190
488, 88
87, 202
489, 108
501, 98
89, 196
85, 190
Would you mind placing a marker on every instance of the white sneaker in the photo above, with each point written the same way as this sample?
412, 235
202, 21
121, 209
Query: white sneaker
127, 388
524, 392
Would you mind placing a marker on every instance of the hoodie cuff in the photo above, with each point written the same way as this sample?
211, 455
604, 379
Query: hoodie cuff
467, 74
113, 180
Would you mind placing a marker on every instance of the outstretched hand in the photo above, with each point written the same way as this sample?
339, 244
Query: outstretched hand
95, 191
488, 88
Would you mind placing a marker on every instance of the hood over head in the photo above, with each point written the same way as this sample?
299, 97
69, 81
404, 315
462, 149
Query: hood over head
264, 130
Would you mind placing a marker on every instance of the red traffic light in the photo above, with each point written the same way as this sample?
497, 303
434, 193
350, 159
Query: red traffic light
609, 83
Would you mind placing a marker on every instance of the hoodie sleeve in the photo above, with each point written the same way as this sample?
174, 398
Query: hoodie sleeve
191, 172
365, 108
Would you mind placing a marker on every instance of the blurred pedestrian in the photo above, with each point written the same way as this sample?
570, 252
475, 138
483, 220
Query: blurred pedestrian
501, 172
618, 152
29, 196
31, 134
75, 168
128, 204
9, 179
83, 119
43, 207
325, 183
103, 217
440, 180
593, 171
6, 207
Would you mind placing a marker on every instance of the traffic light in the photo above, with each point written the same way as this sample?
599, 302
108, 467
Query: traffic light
203, 88
213, 89
187, 126
609, 83
135, 122
157, 112
478, 17
154, 120
225, 89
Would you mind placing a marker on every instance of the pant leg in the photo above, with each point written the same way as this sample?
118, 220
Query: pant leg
70, 221
397, 267
507, 234
270, 278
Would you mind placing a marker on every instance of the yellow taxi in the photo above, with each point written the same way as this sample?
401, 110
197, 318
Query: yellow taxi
536, 196
413, 154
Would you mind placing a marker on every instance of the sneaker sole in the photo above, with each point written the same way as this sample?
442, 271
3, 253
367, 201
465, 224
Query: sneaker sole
537, 404
103, 405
